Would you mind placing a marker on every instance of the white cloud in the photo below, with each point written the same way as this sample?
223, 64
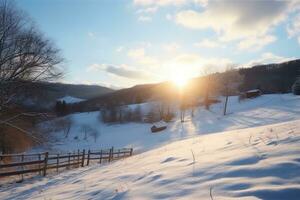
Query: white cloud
121, 71
120, 49
95, 67
169, 16
293, 28
159, 2
143, 18
256, 43
268, 58
91, 34
149, 10
136, 53
162, 3
192, 65
146, 8
235, 19
145, 44
139, 56
171, 47
208, 43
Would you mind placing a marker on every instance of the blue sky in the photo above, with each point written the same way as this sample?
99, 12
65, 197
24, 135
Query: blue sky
121, 43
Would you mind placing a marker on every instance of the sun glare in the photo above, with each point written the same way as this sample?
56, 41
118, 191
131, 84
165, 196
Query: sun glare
179, 80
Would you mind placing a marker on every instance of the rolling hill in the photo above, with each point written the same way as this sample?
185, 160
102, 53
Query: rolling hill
270, 78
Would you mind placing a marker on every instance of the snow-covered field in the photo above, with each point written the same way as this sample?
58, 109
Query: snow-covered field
255, 163
267, 109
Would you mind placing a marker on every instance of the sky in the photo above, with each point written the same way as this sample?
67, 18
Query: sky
122, 43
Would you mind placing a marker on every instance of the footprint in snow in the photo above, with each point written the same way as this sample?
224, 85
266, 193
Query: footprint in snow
78, 181
182, 160
273, 143
94, 193
168, 160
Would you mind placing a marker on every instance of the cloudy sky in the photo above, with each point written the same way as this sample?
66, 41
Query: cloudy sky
121, 43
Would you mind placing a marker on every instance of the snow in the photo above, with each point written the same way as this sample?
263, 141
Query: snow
70, 99
251, 153
255, 90
254, 163
266, 109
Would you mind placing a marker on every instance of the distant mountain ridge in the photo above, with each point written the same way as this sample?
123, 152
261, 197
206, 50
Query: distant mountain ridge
270, 78
77, 90
43, 95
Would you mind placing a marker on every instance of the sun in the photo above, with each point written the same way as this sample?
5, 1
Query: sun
179, 79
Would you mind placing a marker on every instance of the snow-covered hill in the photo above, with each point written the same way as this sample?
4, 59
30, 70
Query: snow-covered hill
70, 99
255, 163
267, 109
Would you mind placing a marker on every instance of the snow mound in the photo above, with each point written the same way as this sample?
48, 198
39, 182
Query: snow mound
70, 99
253, 163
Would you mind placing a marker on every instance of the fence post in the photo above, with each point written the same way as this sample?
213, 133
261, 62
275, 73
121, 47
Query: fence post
88, 158
45, 164
57, 162
69, 159
73, 158
22, 160
100, 156
39, 164
109, 156
78, 153
83, 155
112, 154
131, 151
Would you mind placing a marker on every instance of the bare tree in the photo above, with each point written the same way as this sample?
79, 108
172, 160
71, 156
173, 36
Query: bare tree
182, 113
65, 125
85, 129
152, 115
231, 80
88, 130
207, 72
161, 109
94, 133
120, 113
183, 107
137, 114
26, 56
296, 87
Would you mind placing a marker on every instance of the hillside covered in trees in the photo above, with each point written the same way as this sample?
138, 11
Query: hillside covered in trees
270, 78
43, 95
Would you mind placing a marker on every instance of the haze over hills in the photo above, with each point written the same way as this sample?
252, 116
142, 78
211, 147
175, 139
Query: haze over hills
270, 78
44, 95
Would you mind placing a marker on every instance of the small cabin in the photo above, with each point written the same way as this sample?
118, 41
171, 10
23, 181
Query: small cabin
253, 93
250, 94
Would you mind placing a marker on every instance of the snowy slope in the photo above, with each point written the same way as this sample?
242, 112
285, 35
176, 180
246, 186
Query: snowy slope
70, 99
254, 163
267, 109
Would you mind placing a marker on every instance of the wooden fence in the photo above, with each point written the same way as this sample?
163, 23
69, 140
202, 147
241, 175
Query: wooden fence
41, 163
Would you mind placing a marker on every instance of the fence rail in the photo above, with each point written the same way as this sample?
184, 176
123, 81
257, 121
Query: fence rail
45, 161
